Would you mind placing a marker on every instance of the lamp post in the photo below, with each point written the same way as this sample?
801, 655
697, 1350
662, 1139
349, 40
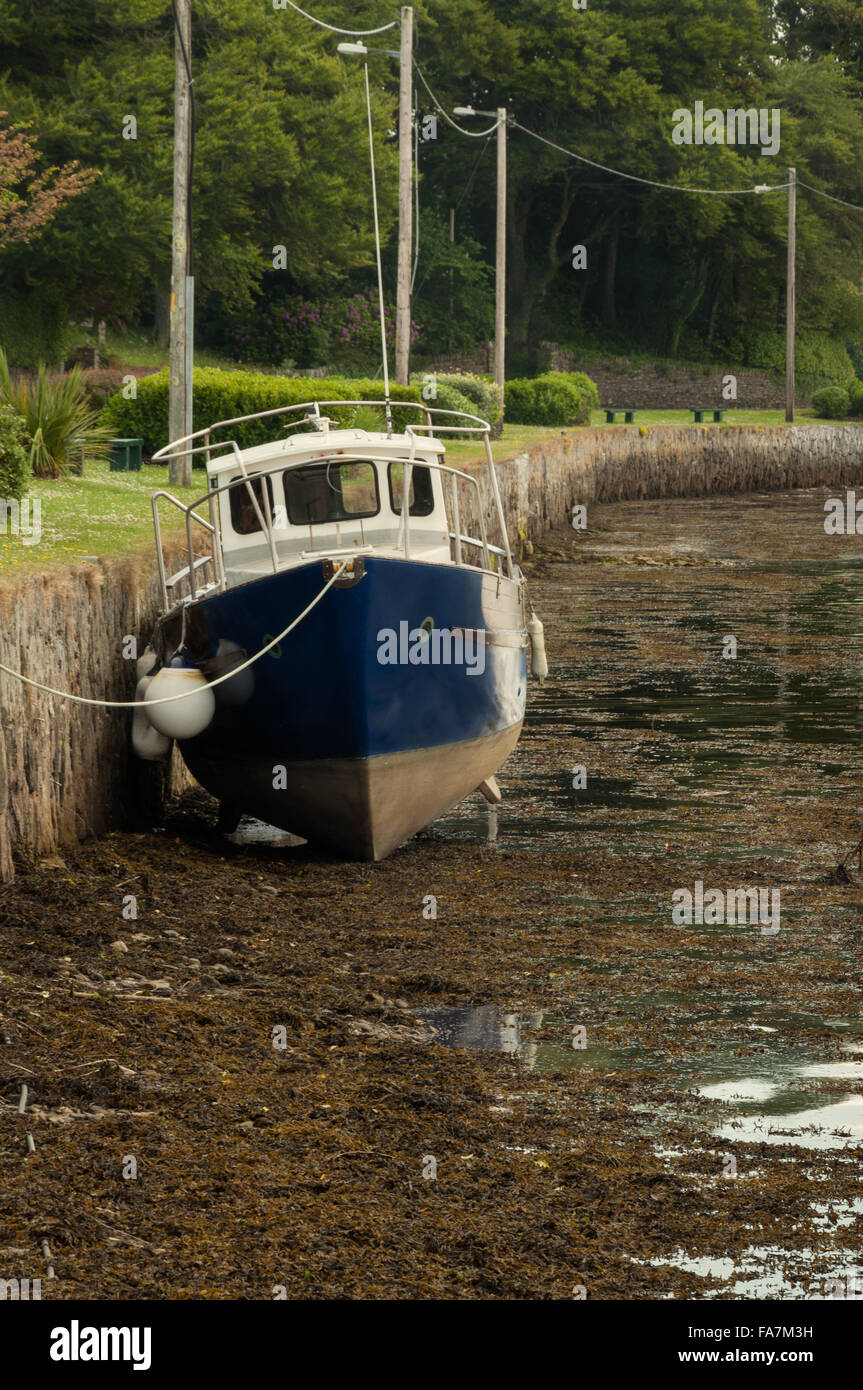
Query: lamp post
500, 285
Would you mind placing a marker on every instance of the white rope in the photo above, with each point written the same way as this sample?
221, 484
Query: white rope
351, 33
171, 699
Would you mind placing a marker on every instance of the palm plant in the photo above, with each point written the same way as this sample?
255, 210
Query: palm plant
57, 413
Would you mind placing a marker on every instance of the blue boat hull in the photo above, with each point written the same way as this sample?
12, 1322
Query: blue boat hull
325, 740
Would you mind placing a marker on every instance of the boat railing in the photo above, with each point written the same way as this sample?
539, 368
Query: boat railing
265, 518
313, 416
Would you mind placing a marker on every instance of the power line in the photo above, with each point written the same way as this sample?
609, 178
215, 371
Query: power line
465, 192
471, 134
651, 183
830, 196
333, 29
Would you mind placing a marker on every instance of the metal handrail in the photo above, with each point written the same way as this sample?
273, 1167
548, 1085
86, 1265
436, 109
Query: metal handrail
190, 515
173, 450
266, 522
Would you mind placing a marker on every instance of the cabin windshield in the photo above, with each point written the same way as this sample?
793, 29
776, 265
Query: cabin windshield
339, 490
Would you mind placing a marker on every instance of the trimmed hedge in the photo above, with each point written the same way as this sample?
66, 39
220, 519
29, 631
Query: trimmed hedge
223, 395
14, 465
480, 392
832, 403
551, 399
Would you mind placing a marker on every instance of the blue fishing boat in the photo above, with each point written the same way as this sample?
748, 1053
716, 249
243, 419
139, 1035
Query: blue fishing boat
340, 660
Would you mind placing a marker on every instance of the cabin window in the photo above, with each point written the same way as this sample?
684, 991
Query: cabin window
340, 490
422, 496
244, 518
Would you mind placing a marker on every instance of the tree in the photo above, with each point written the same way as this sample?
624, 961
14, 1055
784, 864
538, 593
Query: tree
29, 197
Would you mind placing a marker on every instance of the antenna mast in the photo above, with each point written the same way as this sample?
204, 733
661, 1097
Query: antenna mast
382, 308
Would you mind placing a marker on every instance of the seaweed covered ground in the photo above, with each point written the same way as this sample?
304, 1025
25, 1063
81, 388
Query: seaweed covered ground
491, 1067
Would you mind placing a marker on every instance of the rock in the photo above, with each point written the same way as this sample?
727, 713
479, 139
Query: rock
225, 953
160, 987
119, 947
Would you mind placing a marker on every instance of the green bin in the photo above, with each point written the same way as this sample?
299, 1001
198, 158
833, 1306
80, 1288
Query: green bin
125, 455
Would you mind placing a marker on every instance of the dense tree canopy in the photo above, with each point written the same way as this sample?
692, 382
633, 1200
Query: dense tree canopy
281, 159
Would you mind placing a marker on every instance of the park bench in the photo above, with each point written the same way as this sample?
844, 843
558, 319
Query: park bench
718, 415
611, 416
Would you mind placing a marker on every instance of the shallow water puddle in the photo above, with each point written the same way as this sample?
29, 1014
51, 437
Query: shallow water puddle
769, 1271
489, 1028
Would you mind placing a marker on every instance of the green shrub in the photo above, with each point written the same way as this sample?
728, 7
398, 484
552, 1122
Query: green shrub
482, 393
14, 467
551, 399
56, 411
440, 394
832, 403
855, 396
588, 389
224, 395
819, 360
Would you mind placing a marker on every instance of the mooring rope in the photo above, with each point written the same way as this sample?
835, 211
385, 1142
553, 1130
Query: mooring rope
172, 699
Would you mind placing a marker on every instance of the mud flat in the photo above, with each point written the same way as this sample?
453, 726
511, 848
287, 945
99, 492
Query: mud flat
433, 1122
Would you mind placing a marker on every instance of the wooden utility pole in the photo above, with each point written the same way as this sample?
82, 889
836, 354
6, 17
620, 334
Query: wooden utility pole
403, 296
452, 271
791, 296
180, 469
500, 295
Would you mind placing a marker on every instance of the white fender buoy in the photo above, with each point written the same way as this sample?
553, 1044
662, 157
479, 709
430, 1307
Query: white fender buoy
538, 659
146, 666
240, 689
147, 742
180, 718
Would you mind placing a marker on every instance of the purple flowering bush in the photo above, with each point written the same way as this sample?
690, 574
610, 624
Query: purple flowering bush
343, 333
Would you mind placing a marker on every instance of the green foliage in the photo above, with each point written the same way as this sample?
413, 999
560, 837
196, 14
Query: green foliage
268, 85
481, 392
588, 390
819, 359
224, 395
34, 327
55, 411
454, 296
831, 403
14, 468
551, 399
855, 396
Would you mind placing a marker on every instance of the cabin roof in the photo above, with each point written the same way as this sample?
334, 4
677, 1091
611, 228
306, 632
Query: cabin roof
316, 444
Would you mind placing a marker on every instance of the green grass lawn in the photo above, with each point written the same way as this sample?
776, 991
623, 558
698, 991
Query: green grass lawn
99, 514
733, 417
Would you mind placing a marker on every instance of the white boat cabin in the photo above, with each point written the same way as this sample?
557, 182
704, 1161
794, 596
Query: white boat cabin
328, 493
335, 492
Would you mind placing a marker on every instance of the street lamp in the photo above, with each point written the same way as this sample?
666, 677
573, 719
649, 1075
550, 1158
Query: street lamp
500, 288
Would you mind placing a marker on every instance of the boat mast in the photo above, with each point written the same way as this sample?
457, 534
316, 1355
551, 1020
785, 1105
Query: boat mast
378, 255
